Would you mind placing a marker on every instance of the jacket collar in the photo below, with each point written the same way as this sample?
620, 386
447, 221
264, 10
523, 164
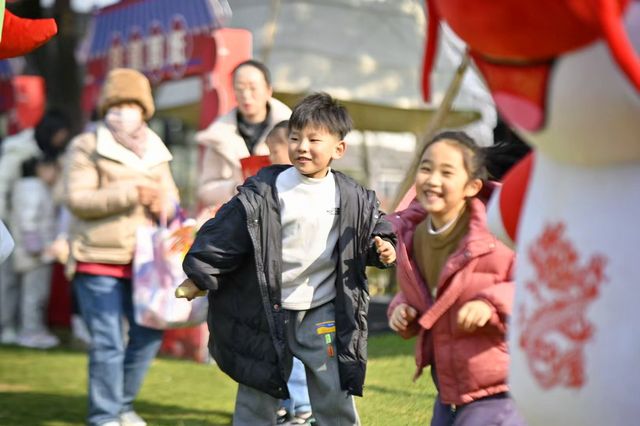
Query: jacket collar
263, 185
156, 153
477, 242
222, 135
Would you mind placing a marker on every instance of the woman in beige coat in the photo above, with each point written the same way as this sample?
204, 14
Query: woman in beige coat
238, 134
117, 179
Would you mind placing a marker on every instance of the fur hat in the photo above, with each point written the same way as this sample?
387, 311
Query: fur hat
126, 84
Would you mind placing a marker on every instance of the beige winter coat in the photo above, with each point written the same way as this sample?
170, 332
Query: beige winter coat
100, 188
221, 172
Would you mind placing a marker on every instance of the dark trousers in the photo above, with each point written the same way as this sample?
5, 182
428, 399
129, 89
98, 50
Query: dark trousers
498, 410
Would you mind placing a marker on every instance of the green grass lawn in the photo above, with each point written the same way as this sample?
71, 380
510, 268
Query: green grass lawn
39, 388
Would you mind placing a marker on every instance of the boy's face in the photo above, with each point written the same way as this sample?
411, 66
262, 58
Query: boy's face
311, 150
278, 147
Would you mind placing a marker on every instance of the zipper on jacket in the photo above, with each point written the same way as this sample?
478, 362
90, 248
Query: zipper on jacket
252, 227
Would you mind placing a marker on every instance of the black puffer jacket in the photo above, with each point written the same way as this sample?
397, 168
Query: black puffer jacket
237, 256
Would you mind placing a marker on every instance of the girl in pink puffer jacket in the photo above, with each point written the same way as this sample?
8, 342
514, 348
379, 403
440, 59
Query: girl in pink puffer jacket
455, 286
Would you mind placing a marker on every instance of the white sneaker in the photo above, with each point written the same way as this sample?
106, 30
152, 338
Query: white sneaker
8, 336
40, 340
131, 418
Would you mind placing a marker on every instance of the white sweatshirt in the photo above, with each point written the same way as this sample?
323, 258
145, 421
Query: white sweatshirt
309, 212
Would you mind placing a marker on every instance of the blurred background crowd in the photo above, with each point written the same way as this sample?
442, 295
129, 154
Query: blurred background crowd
369, 57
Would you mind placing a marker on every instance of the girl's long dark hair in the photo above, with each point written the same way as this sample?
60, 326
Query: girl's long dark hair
490, 162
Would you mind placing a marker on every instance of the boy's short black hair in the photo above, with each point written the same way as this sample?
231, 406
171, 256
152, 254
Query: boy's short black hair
321, 110
255, 64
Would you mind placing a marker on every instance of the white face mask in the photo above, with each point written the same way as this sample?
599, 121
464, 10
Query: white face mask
127, 119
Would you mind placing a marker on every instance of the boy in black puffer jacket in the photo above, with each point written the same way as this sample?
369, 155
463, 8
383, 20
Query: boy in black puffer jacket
284, 262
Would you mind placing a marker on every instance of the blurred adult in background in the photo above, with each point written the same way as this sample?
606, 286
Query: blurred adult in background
117, 179
238, 134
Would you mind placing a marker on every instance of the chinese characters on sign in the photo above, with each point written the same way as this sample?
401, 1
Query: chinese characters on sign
156, 52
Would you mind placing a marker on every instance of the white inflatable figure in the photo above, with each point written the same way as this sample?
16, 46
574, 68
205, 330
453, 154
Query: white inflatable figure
6, 242
566, 75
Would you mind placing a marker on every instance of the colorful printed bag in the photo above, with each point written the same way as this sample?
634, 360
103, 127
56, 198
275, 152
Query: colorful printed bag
157, 271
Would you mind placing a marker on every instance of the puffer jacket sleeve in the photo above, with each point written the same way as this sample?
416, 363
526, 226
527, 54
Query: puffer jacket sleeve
84, 196
219, 248
384, 230
398, 299
500, 297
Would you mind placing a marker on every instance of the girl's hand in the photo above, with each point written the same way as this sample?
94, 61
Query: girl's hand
403, 318
473, 315
385, 250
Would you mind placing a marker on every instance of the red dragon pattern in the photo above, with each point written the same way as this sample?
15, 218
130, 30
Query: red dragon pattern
555, 332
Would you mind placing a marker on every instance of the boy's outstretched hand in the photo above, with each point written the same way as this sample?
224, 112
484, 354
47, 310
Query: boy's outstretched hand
473, 315
188, 290
386, 251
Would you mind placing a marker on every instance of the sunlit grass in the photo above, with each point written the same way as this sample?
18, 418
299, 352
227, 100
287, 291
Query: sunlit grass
48, 388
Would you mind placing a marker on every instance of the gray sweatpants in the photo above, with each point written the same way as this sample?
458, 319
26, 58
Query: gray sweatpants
310, 336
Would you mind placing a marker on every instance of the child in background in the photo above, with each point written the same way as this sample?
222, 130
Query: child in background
297, 409
278, 143
33, 223
284, 262
455, 286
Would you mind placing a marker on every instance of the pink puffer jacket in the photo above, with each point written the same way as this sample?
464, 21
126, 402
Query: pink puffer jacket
469, 365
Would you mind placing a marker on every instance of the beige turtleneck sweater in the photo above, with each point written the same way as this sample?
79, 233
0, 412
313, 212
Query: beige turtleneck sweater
431, 250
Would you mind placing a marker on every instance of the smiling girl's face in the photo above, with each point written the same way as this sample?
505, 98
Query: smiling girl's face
443, 183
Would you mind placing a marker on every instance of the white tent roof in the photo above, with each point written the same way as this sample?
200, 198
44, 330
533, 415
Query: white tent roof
364, 50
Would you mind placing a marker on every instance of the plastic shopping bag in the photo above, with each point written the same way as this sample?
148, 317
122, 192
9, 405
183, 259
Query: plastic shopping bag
157, 271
